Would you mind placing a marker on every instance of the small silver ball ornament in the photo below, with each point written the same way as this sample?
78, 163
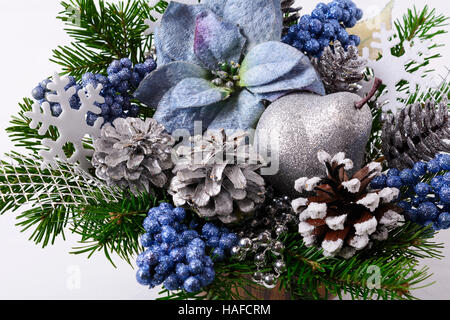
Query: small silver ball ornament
295, 127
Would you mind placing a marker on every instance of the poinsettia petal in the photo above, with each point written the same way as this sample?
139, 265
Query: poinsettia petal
260, 20
183, 118
161, 57
241, 112
269, 61
157, 83
303, 77
176, 32
215, 5
217, 40
196, 92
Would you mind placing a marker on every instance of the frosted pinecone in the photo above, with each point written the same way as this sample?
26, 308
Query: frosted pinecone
341, 214
290, 14
417, 133
217, 176
133, 154
339, 69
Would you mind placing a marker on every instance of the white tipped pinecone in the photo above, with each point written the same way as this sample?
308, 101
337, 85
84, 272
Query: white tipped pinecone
340, 214
133, 154
418, 132
217, 176
339, 69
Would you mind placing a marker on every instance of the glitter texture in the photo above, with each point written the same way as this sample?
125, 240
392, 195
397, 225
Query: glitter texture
297, 126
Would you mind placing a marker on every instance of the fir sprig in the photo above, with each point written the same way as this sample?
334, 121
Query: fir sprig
102, 32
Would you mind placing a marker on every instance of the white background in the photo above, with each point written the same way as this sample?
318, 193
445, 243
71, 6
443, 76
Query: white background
29, 30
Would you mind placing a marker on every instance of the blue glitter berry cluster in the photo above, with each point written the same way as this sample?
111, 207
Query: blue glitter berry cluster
326, 24
424, 203
178, 256
122, 77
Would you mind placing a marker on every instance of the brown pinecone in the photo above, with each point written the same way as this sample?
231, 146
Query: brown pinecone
290, 14
341, 214
416, 133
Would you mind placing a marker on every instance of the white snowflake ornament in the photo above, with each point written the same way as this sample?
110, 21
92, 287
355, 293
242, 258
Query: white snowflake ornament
391, 69
71, 123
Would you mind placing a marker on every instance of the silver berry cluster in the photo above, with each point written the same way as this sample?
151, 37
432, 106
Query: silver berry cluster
263, 247
260, 239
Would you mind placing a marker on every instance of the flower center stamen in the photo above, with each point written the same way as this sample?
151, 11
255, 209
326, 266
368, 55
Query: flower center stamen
227, 76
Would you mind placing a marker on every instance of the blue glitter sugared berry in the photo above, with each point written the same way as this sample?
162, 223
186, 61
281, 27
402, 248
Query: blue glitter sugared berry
325, 24
424, 200
444, 194
444, 220
394, 182
379, 182
176, 255
192, 284
122, 77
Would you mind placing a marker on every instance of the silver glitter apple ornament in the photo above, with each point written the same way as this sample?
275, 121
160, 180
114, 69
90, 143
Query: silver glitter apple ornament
295, 127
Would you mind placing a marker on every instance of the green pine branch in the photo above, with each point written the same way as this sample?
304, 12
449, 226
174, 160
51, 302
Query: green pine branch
103, 32
113, 226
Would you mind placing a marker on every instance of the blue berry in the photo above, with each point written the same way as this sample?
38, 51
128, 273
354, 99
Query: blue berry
304, 22
404, 205
126, 63
318, 14
146, 240
437, 182
444, 194
213, 242
218, 254
177, 256
166, 218
196, 266
428, 211
444, 220
328, 30
356, 39
315, 26
179, 214
312, 46
422, 189
394, 182
151, 226
393, 172
168, 234
182, 271
444, 161
334, 12
342, 36
209, 230
407, 176
433, 166
379, 182
172, 282
192, 284
38, 93
143, 277
358, 14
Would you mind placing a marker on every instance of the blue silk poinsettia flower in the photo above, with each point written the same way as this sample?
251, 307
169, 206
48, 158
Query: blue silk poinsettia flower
218, 61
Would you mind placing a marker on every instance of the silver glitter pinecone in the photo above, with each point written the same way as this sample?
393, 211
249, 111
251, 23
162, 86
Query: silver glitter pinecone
339, 69
418, 132
133, 154
217, 176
